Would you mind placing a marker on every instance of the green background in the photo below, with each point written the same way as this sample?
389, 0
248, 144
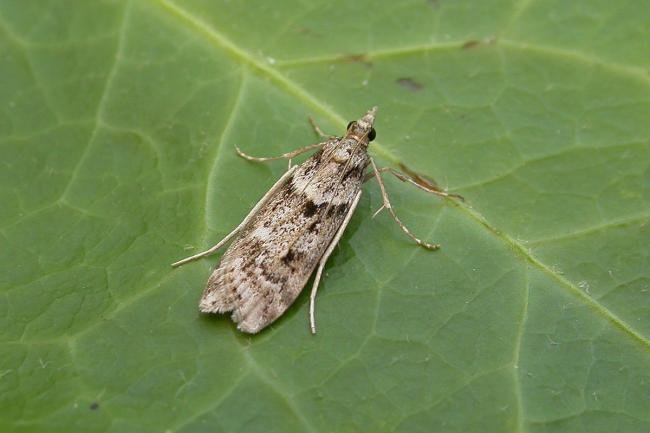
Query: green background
118, 122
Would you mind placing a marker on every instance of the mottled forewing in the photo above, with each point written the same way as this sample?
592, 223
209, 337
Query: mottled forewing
265, 269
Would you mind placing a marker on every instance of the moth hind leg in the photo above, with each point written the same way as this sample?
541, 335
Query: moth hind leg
280, 182
208, 252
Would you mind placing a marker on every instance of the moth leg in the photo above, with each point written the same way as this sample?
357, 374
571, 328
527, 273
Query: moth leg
288, 155
386, 205
253, 211
316, 128
422, 183
323, 260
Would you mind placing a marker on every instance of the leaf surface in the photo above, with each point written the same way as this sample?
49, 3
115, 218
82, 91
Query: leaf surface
118, 122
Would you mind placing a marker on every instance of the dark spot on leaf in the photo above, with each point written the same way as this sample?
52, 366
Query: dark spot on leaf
409, 84
94, 405
357, 58
470, 44
305, 31
478, 42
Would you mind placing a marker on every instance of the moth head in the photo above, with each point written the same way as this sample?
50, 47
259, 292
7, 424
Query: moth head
362, 130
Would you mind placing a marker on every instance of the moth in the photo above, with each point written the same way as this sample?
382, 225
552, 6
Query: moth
294, 228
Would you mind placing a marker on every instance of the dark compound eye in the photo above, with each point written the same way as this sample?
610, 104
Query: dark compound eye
372, 134
349, 124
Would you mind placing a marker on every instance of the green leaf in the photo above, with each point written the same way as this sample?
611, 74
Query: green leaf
118, 122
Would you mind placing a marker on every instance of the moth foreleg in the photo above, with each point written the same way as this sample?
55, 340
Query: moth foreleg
386, 205
323, 260
288, 155
252, 213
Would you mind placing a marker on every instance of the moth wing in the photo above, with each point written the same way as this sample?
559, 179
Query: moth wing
266, 268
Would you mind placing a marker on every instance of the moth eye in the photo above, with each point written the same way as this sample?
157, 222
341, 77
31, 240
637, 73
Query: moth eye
372, 134
349, 124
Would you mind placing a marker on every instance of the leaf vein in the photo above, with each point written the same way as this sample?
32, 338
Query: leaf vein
101, 106
523, 253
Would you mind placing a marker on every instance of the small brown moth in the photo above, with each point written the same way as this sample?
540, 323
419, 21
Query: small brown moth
294, 228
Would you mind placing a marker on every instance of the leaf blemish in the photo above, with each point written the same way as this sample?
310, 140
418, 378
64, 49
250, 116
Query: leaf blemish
409, 84
470, 44
357, 58
478, 42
